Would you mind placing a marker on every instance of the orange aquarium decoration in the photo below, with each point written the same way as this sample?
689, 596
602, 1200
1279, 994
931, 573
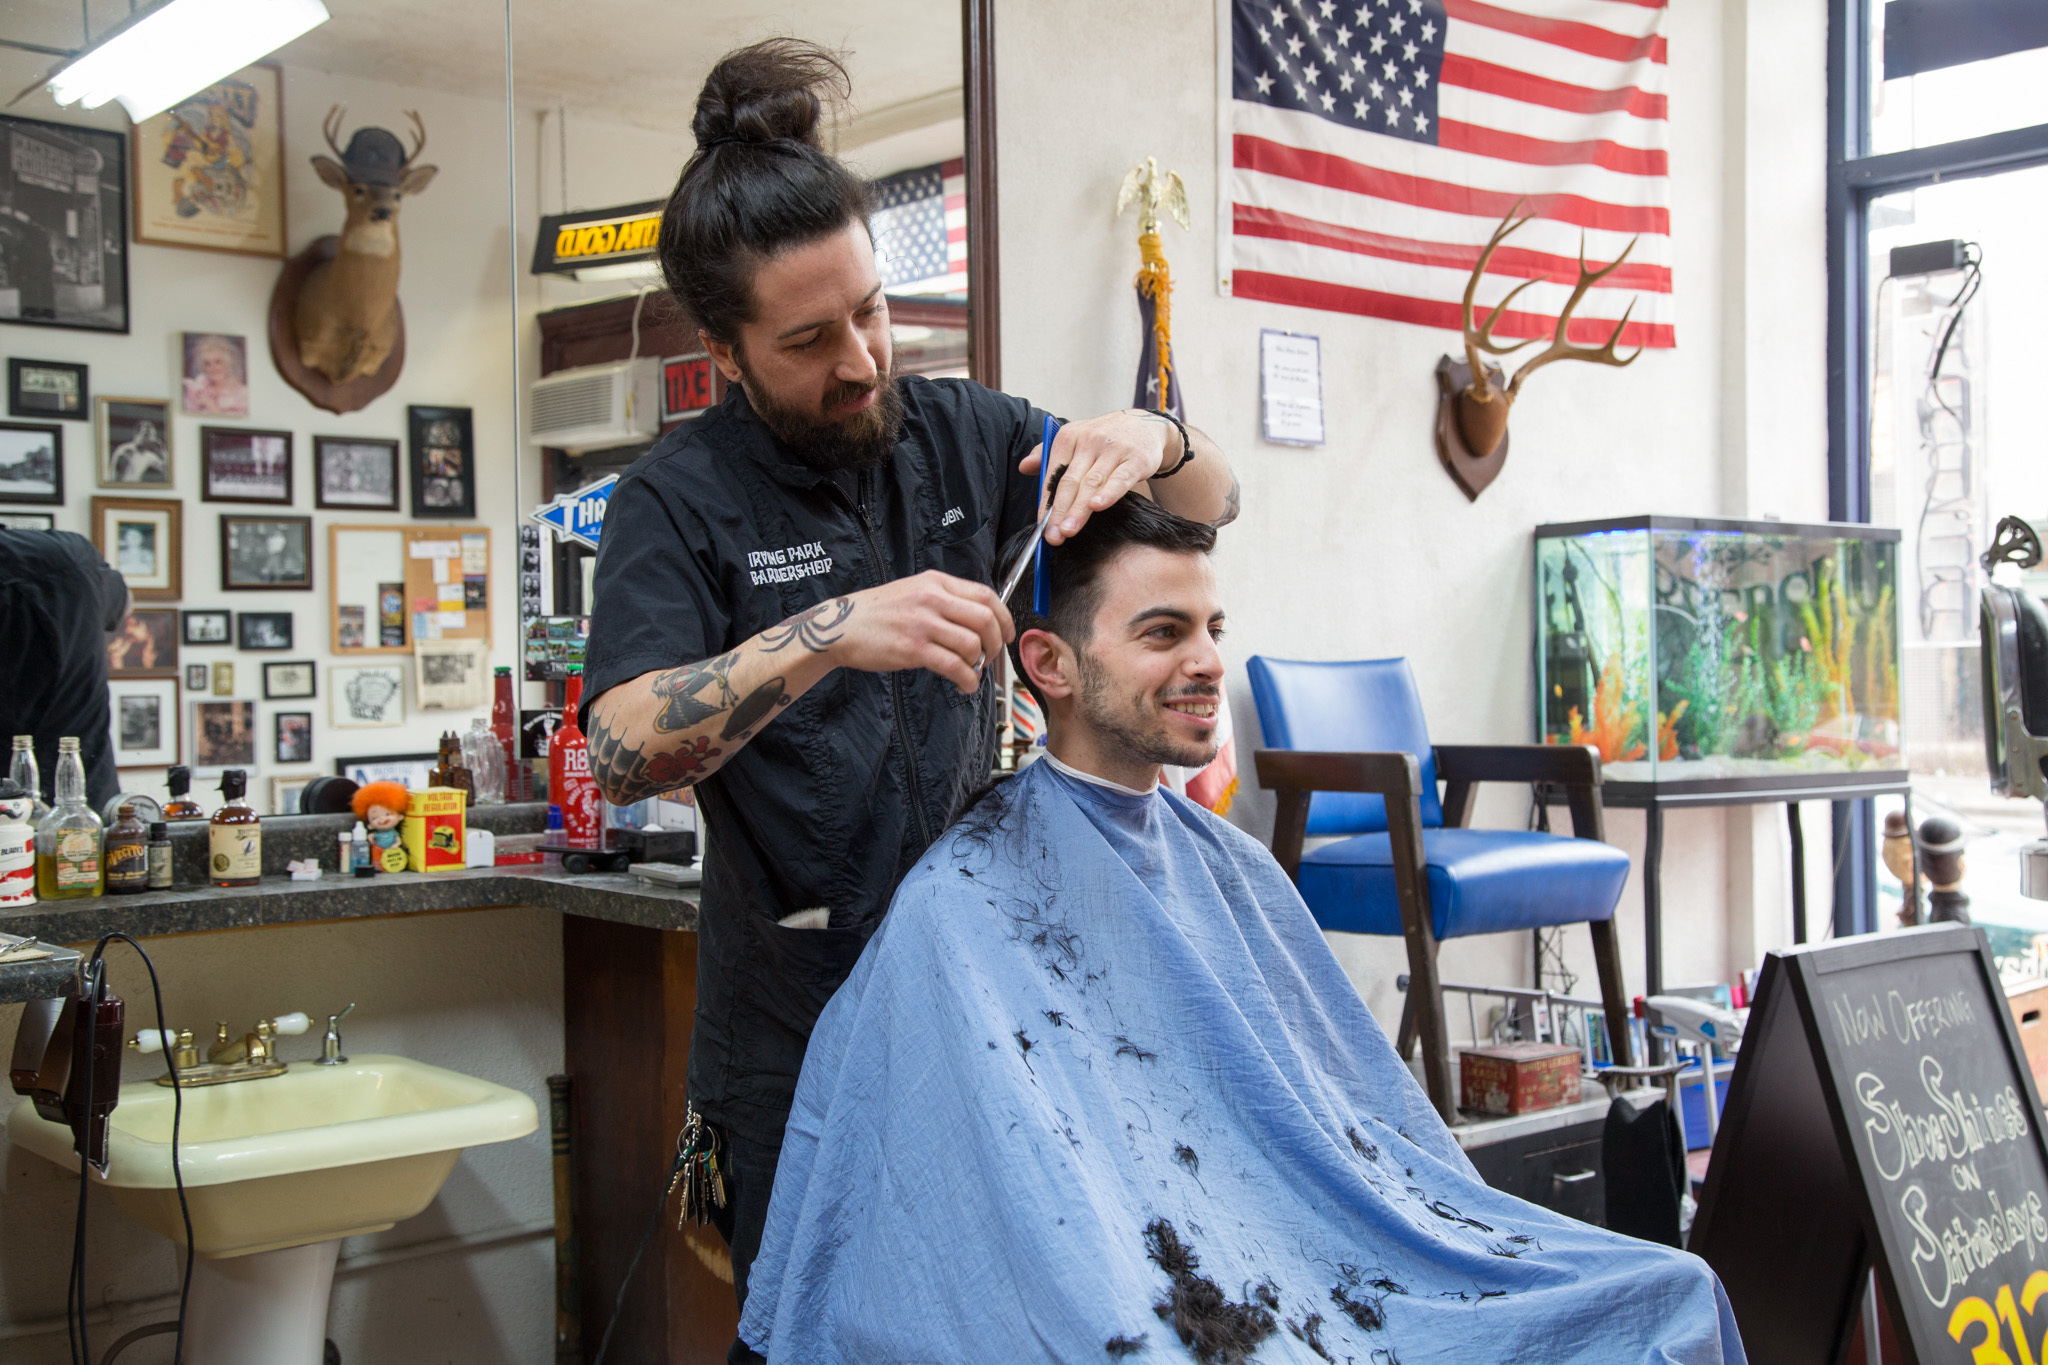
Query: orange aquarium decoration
1614, 723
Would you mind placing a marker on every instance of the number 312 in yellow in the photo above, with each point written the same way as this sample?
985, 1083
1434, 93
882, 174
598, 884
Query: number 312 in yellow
1975, 1312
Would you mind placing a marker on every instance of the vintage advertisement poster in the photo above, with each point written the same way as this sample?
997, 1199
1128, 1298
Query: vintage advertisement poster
209, 171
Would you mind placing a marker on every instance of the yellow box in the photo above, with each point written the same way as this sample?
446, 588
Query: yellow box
433, 830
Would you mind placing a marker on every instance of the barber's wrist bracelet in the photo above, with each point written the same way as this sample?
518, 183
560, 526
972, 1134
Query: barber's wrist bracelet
1187, 447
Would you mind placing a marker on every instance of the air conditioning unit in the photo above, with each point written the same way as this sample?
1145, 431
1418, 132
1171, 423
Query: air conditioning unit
597, 406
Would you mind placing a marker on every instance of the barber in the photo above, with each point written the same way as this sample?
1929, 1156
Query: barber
793, 599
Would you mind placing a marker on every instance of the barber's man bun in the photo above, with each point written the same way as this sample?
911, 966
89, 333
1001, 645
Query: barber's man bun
760, 181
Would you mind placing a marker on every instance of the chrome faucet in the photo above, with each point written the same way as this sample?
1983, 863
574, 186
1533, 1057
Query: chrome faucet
251, 1057
330, 1046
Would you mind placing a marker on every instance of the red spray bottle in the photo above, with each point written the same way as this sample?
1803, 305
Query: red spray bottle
572, 792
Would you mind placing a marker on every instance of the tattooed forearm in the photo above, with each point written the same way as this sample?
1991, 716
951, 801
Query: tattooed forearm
816, 630
1230, 505
625, 774
695, 693
759, 705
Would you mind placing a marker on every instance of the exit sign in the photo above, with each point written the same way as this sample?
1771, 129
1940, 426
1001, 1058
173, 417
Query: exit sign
685, 386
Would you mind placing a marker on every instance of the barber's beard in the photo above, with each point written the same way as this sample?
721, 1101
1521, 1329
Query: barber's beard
1130, 727
860, 441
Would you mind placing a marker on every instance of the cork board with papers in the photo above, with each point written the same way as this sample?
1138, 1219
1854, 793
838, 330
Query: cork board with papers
394, 586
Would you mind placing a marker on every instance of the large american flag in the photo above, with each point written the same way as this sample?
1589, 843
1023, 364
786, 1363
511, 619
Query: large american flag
920, 228
1375, 145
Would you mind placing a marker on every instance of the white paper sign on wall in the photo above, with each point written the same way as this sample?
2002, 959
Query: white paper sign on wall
1291, 387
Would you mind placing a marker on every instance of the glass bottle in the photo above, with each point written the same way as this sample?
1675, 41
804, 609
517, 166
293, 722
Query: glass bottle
181, 806
159, 856
571, 790
127, 847
518, 784
486, 759
451, 771
234, 838
25, 771
68, 840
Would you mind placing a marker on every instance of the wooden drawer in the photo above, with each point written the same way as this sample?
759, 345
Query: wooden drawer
1559, 1169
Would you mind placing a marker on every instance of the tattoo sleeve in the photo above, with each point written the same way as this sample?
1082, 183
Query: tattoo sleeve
695, 693
1230, 505
817, 630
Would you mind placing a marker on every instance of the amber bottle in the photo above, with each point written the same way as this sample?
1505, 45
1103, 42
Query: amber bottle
127, 854
235, 835
181, 806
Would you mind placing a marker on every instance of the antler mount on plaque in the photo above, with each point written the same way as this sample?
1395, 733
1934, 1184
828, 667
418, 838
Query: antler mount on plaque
1473, 397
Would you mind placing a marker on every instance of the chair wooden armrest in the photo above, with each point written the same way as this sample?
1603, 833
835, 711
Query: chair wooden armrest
1296, 774
1574, 767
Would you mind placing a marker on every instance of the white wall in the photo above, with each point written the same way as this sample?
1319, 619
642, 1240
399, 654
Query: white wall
1364, 548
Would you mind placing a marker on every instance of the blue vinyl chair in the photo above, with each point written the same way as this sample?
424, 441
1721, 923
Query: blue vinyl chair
1351, 756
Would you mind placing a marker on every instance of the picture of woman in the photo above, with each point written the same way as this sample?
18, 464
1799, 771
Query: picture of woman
216, 375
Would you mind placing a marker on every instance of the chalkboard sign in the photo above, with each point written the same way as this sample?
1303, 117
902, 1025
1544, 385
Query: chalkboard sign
1882, 1113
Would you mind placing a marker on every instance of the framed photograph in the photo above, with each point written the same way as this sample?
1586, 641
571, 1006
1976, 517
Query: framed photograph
46, 388
209, 627
223, 734
134, 442
195, 677
146, 645
31, 462
144, 539
443, 462
266, 552
239, 465
224, 680
284, 794
292, 736
216, 374
144, 722
288, 681
209, 171
28, 521
411, 769
355, 471
361, 696
264, 630
66, 189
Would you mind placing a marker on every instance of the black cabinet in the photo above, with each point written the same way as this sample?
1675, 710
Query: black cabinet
1558, 1168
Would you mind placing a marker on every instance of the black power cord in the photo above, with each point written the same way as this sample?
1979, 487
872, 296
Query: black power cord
75, 1302
668, 1185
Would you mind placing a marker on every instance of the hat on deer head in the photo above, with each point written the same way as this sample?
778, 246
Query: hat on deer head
374, 157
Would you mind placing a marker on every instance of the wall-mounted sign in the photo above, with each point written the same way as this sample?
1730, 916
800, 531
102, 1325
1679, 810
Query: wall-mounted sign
1291, 388
685, 386
578, 516
569, 242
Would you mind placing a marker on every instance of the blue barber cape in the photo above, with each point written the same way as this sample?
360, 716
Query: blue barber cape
1097, 1089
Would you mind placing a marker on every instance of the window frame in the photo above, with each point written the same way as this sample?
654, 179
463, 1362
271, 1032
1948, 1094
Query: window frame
1855, 177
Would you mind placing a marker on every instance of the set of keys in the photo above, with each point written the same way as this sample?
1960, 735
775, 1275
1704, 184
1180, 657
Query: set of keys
696, 1169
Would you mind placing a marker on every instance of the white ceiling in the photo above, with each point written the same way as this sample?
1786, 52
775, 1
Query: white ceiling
634, 62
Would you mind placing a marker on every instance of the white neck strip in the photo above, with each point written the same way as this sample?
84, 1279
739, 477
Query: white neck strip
1071, 771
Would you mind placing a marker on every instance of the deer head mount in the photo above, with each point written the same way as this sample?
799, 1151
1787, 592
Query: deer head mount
1474, 398
346, 321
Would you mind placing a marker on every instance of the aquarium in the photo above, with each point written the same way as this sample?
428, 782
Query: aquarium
1737, 653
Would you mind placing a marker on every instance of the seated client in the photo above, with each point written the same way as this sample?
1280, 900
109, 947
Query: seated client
1098, 1089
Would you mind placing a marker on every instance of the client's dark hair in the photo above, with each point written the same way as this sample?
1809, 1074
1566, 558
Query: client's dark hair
760, 181
1075, 566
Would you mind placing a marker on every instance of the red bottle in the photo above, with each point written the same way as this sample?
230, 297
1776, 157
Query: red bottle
571, 790
505, 725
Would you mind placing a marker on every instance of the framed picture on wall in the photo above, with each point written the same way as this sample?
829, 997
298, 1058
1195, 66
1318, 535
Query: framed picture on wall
223, 734
411, 769
31, 463
291, 680
284, 794
28, 521
144, 722
239, 465
67, 192
216, 374
355, 471
209, 627
209, 171
361, 696
266, 552
45, 388
195, 677
443, 462
264, 630
224, 679
292, 736
144, 539
134, 442
145, 645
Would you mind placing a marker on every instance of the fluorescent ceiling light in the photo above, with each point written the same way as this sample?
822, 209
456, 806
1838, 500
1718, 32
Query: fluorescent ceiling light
179, 48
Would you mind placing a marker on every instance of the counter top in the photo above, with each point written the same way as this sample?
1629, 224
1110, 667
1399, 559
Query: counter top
616, 896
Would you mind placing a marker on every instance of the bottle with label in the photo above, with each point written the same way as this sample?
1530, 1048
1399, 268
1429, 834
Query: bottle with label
127, 845
17, 846
181, 806
68, 841
25, 771
451, 771
159, 856
505, 726
359, 852
234, 838
571, 790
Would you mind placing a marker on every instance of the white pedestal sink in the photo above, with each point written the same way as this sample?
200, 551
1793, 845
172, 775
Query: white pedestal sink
277, 1172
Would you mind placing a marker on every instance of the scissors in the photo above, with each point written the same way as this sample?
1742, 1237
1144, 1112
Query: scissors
1033, 551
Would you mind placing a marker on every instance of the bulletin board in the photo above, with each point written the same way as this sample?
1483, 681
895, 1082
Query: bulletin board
390, 586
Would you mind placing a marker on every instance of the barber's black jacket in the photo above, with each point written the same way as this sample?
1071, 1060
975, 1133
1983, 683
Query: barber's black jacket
715, 535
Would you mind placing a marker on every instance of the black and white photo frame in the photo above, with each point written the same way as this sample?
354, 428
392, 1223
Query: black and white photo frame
43, 390
265, 552
443, 462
